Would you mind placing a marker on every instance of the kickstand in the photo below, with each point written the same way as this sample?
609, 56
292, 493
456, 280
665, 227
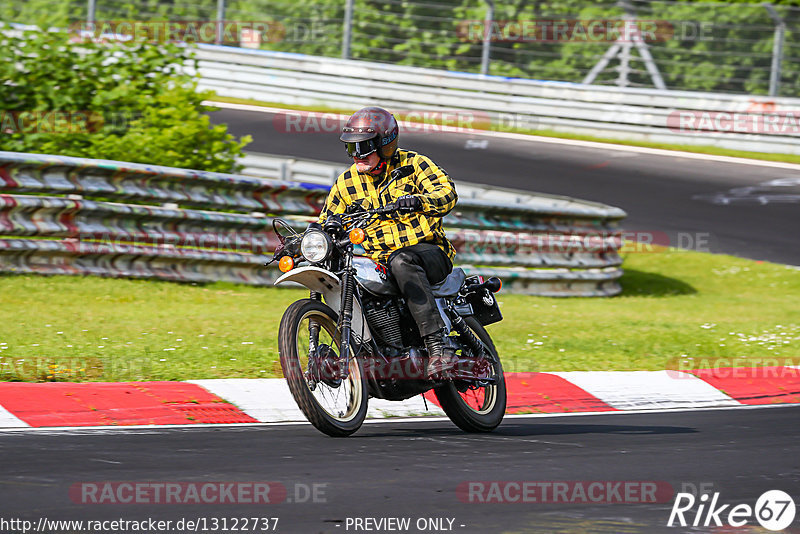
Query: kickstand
425, 401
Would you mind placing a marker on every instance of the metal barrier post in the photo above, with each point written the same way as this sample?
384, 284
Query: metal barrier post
90, 11
777, 50
220, 20
347, 34
487, 37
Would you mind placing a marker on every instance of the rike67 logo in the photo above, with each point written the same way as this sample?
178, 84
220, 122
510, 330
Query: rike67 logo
774, 510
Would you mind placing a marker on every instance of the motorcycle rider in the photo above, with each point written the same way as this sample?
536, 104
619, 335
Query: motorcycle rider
413, 244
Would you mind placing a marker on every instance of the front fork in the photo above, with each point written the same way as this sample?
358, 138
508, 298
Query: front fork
346, 318
345, 321
313, 372
313, 328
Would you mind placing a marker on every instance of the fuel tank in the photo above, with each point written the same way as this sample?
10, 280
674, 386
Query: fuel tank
374, 277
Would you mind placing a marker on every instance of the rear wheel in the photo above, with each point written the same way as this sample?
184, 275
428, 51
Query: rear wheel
471, 407
331, 393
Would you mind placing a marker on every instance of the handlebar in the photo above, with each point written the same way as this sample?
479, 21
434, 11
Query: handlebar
290, 245
388, 209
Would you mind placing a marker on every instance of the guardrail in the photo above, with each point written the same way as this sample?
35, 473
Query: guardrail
213, 226
284, 168
640, 114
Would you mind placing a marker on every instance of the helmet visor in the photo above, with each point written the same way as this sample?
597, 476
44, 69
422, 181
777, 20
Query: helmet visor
362, 149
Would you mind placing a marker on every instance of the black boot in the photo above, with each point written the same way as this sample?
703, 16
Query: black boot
439, 360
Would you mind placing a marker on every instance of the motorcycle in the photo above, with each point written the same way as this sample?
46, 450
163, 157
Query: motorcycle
354, 338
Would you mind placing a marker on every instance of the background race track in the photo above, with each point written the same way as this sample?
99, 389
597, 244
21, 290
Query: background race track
660, 193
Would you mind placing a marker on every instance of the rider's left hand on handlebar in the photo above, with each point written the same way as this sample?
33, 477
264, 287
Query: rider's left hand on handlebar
409, 204
354, 209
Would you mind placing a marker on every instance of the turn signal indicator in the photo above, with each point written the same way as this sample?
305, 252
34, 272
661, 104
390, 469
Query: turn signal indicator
357, 236
286, 264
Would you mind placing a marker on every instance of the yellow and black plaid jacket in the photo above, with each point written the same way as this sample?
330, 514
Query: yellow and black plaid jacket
429, 182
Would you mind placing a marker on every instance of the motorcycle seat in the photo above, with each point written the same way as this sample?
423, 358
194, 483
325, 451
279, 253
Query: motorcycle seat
449, 286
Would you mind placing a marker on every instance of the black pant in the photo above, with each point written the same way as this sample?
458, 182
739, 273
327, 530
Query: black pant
415, 268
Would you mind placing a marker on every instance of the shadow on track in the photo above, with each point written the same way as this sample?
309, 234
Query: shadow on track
537, 429
514, 429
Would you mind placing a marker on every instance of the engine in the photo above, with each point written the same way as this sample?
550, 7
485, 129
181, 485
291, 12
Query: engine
383, 317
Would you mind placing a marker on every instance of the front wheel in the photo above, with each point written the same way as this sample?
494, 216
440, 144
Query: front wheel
472, 408
331, 393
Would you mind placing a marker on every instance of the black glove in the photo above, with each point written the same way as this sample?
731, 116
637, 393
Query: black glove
354, 208
409, 204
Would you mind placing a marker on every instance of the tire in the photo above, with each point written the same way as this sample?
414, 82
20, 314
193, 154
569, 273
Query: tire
489, 415
336, 422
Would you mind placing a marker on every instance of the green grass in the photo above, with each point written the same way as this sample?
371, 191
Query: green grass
699, 149
676, 305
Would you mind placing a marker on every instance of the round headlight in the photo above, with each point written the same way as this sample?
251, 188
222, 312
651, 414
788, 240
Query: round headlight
315, 246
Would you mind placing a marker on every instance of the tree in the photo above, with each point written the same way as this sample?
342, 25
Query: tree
130, 101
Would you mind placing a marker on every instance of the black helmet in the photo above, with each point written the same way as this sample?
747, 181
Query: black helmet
368, 130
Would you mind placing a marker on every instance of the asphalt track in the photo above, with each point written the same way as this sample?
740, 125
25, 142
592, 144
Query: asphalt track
412, 469
661, 194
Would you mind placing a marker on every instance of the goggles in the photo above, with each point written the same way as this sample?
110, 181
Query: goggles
362, 149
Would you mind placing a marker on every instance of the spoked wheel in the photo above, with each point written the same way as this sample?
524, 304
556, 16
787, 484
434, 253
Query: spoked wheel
476, 408
331, 393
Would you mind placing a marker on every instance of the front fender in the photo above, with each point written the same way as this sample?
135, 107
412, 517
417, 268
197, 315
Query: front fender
325, 282
314, 278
